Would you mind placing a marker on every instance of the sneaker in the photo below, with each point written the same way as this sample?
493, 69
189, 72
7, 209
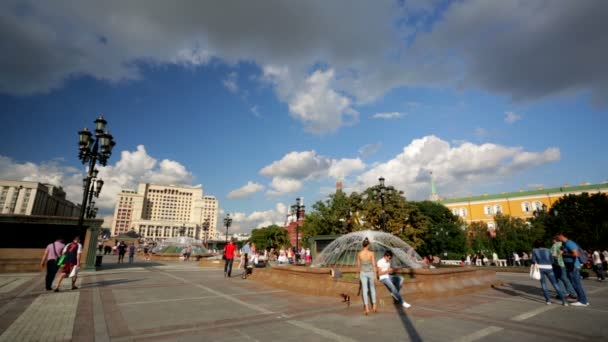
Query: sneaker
548, 303
579, 304
406, 305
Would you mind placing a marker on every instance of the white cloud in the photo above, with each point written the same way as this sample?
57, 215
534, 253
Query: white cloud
390, 115
256, 111
295, 167
230, 82
481, 132
246, 190
511, 117
369, 149
313, 101
244, 223
133, 168
456, 168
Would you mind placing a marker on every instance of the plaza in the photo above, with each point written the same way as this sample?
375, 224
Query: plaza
180, 301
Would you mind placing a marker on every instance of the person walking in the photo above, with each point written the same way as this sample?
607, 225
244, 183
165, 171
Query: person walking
72, 252
122, 250
572, 261
389, 279
542, 257
559, 269
366, 263
597, 265
50, 257
131, 252
229, 251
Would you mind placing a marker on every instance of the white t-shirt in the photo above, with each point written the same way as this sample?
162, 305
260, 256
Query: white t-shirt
596, 258
383, 266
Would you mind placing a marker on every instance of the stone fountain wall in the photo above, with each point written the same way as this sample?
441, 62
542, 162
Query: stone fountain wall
419, 283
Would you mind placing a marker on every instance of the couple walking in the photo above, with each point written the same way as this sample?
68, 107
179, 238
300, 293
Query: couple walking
369, 269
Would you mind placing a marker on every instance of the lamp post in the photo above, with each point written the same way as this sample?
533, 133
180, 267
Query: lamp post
298, 208
205, 231
227, 223
93, 149
381, 191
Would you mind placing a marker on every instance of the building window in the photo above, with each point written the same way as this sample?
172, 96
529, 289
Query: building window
463, 212
455, 212
498, 209
487, 210
525, 207
537, 205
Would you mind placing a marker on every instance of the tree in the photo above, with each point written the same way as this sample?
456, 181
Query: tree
335, 216
444, 233
514, 235
271, 236
584, 218
478, 237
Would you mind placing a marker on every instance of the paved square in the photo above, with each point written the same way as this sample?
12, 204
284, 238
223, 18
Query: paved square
183, 302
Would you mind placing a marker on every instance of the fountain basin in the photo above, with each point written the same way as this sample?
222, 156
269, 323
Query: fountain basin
419, 283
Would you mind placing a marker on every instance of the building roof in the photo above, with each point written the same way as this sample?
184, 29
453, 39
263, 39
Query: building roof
563, 189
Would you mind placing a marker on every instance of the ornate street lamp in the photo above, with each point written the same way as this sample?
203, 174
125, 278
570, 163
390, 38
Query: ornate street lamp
381, 192
227, 223
298, 208
205, 231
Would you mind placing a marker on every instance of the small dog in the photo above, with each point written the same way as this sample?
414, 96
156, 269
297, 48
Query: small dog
345, 299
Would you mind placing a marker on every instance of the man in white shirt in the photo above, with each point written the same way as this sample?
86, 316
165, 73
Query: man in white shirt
392, 282
597, 265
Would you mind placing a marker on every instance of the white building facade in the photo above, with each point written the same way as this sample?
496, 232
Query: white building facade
33, 198
157, 212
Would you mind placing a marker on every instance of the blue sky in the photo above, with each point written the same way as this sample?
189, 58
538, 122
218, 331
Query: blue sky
275, 101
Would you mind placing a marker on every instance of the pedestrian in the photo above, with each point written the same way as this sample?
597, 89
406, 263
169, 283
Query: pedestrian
525, 259
542, 257
50, 257
122, 250
516, 259
572, 261
146, 250
131, 252
366, 262
559, 269
392, 282
597, 265
229, 252
308, 256
99, 247
72, 252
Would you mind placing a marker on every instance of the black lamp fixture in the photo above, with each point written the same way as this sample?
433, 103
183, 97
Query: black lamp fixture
92, 149
227, 223
381, 192
298, 209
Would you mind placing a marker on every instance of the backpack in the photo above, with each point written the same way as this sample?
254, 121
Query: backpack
582, 256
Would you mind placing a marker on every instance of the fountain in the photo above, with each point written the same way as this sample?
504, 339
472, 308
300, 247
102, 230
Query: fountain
334, 271
342, 252
173, 248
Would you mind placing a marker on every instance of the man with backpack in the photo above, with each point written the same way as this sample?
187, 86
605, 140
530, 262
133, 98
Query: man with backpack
574, 258
71, 262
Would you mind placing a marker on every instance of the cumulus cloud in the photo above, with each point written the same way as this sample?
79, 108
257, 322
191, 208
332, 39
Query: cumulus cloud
511, 117
455, 167
132, 168
244, 223
289, 173
246, 190
390, 115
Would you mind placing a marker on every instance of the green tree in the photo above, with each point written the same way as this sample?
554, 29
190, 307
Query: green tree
444, 233
478, 237
335, 216
271, 236
584, 218
514, 235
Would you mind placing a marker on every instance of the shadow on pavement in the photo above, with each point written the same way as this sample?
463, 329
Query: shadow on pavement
115, 266
531, 293
104, 283
407, 323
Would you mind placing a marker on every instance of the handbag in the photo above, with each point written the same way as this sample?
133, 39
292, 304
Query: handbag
61, 260
534, 272
74, 272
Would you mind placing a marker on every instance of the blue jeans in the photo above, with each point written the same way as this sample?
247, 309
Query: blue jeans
548, 273
563, 281
394, 283
367, 284
575, 278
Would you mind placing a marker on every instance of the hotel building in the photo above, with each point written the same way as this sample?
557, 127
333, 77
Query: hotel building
33, 198
520, 204
157, 212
